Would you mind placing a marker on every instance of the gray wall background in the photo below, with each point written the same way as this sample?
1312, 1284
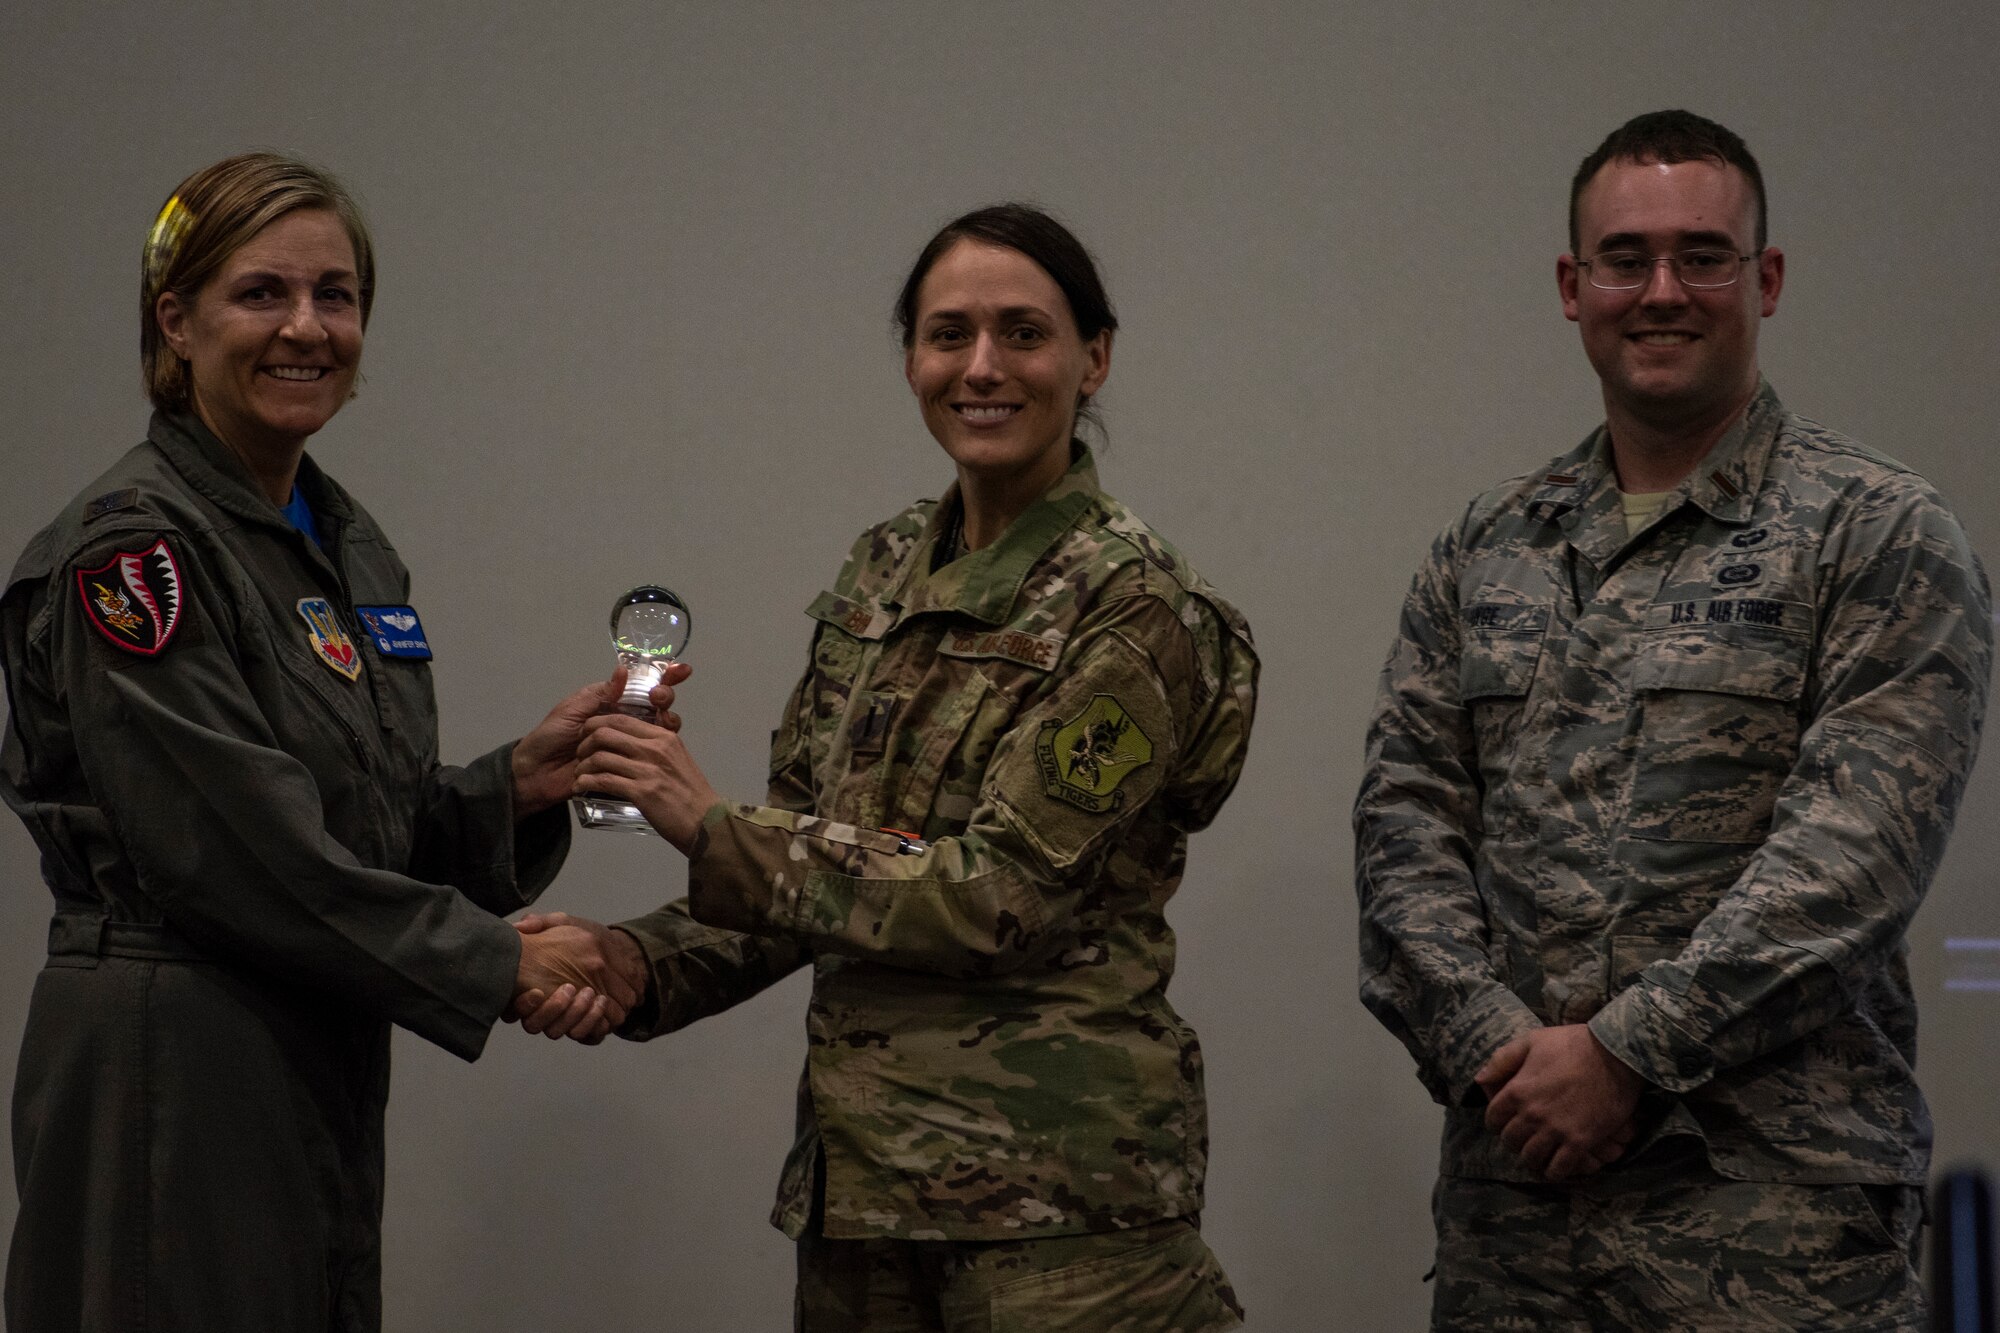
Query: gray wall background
636, 261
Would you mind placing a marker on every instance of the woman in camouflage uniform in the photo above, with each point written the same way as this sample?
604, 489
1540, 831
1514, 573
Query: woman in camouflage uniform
1020, 703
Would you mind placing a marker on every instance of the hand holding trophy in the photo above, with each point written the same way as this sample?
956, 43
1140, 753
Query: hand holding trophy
649, 628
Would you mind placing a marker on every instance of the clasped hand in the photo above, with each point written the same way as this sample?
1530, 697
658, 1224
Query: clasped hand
545, 760
1561, 1101
578, 978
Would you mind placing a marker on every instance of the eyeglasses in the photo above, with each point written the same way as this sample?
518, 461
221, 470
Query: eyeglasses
1626, 270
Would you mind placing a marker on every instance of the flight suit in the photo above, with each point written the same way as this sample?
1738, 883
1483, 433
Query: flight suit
258, 865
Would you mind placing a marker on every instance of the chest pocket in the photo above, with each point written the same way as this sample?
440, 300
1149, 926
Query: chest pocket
317, 720
369, 742
1500, 647
1718, 729
406, 706
896, 726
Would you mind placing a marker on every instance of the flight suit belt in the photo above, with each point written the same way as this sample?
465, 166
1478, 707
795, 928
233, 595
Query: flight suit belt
79, 934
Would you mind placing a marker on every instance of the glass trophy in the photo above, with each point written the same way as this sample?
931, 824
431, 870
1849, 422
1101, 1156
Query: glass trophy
649, 628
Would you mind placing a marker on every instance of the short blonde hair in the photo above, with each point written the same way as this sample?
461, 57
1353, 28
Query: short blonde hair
208, 216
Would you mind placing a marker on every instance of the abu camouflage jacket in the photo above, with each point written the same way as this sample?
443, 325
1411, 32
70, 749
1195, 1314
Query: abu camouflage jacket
1687, 786
991, 1054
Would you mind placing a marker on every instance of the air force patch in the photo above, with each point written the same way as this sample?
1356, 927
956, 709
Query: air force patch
1736, 576
134, 599
1085, 758
395, 631
329, 641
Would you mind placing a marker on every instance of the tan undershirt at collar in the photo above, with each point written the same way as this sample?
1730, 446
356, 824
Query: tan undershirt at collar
1641, 508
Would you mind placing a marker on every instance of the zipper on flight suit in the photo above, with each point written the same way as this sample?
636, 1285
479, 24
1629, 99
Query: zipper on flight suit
315, 687
333, 525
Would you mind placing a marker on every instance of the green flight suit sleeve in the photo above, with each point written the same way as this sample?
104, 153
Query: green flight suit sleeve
466, 835
1895, 699
1063, 782
226, 834
1425, 972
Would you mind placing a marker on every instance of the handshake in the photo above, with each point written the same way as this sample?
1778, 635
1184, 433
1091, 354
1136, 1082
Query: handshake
576, 979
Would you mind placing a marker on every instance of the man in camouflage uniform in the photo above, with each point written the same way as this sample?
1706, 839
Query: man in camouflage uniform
1666, 753
1001, 1118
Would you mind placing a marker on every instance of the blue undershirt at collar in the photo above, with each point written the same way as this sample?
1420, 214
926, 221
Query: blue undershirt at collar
300, 515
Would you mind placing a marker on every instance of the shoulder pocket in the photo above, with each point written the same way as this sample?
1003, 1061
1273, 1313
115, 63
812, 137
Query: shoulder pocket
1499, 648
1080, 764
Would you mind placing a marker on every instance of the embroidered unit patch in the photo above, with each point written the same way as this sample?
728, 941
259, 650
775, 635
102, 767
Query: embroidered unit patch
395, 631
134, 599
329, 641
1085, 758
1735, 576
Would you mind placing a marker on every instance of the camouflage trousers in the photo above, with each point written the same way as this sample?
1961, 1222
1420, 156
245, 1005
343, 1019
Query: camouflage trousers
1668, 1244
1153, 1279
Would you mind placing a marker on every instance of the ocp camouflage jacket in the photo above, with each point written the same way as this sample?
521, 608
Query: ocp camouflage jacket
991, 1054
1687, 786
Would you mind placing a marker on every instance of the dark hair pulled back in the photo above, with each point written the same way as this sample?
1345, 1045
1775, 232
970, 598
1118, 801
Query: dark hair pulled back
1034, 233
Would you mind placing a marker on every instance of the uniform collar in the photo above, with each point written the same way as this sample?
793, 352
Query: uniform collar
1726, 481
211, 468
984, 584
1579, 491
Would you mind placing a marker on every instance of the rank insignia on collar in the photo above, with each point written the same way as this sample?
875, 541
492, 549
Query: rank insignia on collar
134, 598
1085, 758
329, 641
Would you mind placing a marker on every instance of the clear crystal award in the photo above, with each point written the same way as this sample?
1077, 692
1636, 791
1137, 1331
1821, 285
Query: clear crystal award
649, 628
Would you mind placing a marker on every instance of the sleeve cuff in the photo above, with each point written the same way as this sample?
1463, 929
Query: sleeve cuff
541, 841
643, 1020
1638, 1028
753, 867
725, 889
490, 964
501, 865
1482, 1027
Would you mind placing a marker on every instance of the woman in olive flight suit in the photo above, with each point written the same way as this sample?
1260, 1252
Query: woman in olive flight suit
222, 736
